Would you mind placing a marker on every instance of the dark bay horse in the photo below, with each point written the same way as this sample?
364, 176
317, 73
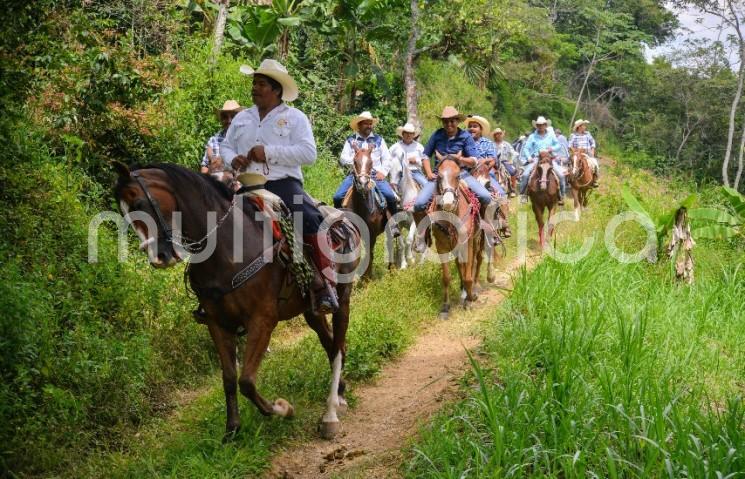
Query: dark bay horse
456, 228
580, 179
253, 303
362, 201
497, 217
543, 190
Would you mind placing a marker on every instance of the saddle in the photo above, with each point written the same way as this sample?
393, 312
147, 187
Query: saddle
379, 198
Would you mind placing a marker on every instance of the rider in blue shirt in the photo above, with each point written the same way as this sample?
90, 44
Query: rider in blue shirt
477, 125
451, 140
541, 139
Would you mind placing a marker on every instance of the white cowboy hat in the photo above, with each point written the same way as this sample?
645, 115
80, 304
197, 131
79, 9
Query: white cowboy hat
230, 105
451, 112
364, 116
541, 120
407, 128
579, 123
497, 130
276, 71
485, 126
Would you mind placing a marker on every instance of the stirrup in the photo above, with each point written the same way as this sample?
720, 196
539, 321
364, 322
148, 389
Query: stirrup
324, 300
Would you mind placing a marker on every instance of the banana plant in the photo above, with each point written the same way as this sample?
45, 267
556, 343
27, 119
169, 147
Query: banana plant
663, 222
720, 224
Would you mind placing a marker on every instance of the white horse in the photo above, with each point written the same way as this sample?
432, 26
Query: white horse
400, 254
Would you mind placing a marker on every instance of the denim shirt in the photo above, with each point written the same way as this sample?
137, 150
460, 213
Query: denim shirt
462, 141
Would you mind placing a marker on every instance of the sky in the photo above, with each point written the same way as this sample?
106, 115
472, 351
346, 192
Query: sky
691, 28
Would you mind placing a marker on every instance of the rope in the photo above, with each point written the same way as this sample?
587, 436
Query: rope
299, 268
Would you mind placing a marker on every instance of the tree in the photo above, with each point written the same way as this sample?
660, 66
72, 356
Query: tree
731, 14
412, 109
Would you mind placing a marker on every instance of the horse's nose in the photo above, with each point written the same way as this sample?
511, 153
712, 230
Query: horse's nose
448, 199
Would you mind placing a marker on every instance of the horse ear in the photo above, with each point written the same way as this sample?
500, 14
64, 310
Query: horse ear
438, 155
121, 169
459, 155
355, 147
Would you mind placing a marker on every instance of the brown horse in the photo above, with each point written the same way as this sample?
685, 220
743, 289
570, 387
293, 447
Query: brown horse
362, 202
580, 179
238, 282
496, 216
456, 229
543, 190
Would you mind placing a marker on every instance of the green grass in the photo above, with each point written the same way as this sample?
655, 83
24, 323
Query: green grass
602, 369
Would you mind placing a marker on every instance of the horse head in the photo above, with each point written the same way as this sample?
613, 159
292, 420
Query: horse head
578, 155
448, 173
148, 202
363, 169
545, 166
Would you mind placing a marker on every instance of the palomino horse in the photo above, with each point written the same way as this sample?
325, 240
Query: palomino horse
239, 282
400, 249
580, 179
543, 190
362, 201
496, 217
456, 229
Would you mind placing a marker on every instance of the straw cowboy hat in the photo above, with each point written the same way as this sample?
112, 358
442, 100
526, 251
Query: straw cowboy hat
451, 112
407, 128
485, 126
541, 120
229, 106
497, 130
364, 116
579, 123
276, 71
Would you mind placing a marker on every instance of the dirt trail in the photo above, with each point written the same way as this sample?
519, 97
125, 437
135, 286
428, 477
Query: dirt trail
389, 410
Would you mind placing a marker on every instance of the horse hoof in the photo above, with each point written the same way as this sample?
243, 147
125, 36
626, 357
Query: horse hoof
329, 430
230, 434
283, 408
343, 407
444, 315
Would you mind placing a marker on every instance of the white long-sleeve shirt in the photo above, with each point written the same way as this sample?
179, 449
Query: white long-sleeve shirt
286, 135
380, 155
401, 152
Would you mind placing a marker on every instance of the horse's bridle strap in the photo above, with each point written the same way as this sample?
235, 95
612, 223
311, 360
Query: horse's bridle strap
163, 226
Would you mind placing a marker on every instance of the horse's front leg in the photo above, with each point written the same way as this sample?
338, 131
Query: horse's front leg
577, 199
370, 256
445, 310
225, 343
259, 328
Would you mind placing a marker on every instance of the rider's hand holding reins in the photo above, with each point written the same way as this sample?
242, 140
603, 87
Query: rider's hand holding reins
379, 176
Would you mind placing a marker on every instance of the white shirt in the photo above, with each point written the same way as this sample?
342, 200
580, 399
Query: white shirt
381, 156
506, 152
401, 152
286, 135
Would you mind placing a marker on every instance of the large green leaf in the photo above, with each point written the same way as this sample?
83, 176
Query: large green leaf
736, 200
713, 214
715, 232
290, 21
633, 203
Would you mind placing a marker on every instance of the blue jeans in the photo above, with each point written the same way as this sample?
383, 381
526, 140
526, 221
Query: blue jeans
428, 191
557, 169
383, 186
287, 189
419, 177
495, 184
509, 167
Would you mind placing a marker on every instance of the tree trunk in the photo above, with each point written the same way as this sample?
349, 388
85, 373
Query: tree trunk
732, 115
584, 83
222, 16
740, 158
412, 109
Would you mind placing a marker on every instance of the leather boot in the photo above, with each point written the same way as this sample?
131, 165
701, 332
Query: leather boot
323, 294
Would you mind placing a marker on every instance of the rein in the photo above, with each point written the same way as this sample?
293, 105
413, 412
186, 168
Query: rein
185, 242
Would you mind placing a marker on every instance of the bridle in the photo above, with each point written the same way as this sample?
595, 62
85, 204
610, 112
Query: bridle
165, 232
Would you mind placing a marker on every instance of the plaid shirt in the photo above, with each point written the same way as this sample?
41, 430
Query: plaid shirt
214, 144
486, 147
584, 140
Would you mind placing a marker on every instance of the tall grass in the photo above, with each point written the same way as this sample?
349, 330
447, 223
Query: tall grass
603, 369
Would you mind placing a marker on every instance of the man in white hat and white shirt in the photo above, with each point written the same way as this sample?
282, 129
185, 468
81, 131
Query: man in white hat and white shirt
365, 138
408, 153
212, 162
541, 139
274, 140
581, 138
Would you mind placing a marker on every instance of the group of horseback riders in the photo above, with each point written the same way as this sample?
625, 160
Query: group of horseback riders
274, 139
